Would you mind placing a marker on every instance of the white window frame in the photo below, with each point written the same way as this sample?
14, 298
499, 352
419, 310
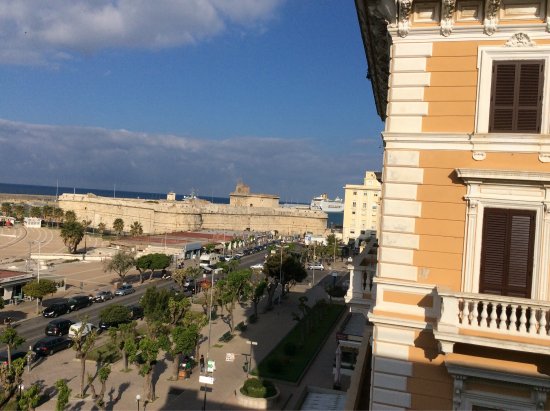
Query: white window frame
486, 57
520, 190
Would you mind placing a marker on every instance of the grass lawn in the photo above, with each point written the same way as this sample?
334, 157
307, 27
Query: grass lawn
282, 366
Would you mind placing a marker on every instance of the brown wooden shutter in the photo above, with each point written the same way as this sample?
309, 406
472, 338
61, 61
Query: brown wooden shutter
507, 252
516, 96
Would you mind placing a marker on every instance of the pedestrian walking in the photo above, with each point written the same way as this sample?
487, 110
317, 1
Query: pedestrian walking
201, 362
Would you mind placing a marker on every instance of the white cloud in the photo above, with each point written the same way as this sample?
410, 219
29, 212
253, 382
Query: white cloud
90, 157
48, 32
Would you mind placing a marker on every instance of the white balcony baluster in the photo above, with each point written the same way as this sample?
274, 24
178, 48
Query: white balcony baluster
493, 314
522, 321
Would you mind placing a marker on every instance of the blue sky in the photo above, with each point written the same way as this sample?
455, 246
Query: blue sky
175, 95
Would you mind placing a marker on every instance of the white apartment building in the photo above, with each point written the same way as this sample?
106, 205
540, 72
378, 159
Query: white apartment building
361, 208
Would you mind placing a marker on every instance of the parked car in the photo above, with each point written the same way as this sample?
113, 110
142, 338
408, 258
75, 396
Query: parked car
258, 266
125, 289
14, 356
58, 327
56, 309
316, 266
102, 296
50, 345
79, 301
83, 329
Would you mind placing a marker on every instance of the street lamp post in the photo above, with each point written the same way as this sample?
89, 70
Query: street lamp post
251, 343
138, 399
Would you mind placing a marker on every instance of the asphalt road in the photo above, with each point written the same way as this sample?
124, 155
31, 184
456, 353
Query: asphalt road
33, 329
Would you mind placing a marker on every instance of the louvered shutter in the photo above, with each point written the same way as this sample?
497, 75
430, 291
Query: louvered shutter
493, 253
507, 252
516, 96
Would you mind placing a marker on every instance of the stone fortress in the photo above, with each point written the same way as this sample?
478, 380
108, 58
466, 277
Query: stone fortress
245, 211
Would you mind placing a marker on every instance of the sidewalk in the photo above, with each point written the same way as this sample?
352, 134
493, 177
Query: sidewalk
123, 387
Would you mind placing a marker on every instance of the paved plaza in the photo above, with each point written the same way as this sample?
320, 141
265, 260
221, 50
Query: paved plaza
122, 387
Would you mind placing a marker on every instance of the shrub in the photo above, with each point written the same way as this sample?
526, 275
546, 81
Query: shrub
252, 319
254, 387
226, 337
290, 348
240, 326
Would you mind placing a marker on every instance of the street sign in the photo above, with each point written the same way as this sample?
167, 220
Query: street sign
211, 366
230, 357
203, 379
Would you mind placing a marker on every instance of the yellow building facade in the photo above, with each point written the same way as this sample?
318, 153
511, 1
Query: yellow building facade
361, 208
461, 318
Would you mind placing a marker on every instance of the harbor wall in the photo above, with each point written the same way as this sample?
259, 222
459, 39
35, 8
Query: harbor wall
160, 216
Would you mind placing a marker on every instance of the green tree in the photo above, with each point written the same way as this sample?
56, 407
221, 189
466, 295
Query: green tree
101, 227
70, 216
236, 286
19, 211
12, 339
124, 338
63, 394
187, 274
83, 343
155, 304
146, 357
118, 226
286, 268
36, 212
47, 212
155, 261
86, 224
120, 263
136, 229
7, 209
259, 286
58, 214
184, 341
103, 374
115, 313
30, 398
72, 234
39, 290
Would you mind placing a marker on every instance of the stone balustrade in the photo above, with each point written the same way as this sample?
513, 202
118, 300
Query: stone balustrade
466, 313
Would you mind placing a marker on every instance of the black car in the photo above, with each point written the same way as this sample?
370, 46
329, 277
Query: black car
56, 309
58, 327
14, 356
79, 301
50, 345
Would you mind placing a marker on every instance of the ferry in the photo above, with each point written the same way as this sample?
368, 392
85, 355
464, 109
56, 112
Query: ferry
327, 205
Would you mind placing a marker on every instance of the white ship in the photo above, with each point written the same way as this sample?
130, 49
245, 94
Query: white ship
327, 205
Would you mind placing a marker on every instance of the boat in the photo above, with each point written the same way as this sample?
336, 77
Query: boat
327, 205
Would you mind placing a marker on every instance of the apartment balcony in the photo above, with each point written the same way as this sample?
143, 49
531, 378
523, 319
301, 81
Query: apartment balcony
362, 270
493, 321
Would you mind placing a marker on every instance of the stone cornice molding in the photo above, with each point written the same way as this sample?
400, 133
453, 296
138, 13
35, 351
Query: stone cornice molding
472, 174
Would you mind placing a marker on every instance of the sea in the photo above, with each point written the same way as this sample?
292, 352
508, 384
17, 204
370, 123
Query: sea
334, 219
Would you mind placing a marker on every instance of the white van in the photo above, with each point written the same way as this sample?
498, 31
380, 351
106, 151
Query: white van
83, 329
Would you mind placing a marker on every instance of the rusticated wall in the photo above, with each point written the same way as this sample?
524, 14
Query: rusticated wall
168, 216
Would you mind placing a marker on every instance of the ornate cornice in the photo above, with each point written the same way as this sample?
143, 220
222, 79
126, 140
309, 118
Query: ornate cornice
377, 42
491, 12
447, 11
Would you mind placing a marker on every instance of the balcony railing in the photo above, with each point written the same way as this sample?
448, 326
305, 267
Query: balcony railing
493, 314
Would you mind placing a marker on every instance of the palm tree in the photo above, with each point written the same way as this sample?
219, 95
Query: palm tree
118, 226
6, 209
72, 234
136, 229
